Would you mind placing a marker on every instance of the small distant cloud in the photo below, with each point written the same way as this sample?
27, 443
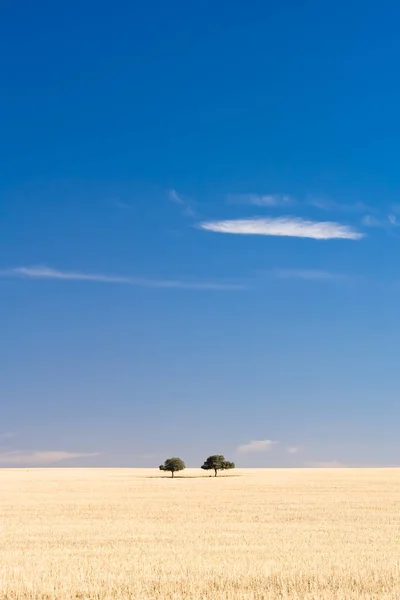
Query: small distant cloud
370, 221
267, 200
187, 204
332, 205
293, 449
43, 272
325, 464
308, 274
285, 200
122, 204
256, 446
386, 222
175, 197
284, 226
40, 458
188, 211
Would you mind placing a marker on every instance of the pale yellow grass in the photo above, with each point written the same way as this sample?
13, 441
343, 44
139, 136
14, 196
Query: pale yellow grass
253, 534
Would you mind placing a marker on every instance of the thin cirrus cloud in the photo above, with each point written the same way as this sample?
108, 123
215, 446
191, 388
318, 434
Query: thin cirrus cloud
40, 458
187, 204
268, 200
175, 197
308, 275
293, 449
43, 272
282, 200
121, 204
386, 222
256, 446
284, 226
332, 205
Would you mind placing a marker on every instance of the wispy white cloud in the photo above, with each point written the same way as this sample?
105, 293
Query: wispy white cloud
370, 221
267, 200
43, 272
175, 197
284, 226
256, 446
373, 217
334, 206
284, 200
386, 222
40, 458
308, 274
122, 204
293, 449
187, 204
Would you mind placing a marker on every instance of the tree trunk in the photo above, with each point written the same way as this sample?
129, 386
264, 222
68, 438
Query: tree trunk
216, 472
172, 474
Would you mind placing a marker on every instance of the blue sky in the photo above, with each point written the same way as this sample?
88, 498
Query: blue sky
200, 210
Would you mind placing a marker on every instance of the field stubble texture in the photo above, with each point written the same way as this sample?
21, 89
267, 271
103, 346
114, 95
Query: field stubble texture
256, 534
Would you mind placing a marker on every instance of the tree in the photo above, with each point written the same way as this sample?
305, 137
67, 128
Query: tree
217, 463
173, 464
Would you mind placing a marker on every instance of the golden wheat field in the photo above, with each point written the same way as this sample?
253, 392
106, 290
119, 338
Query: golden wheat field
250, 534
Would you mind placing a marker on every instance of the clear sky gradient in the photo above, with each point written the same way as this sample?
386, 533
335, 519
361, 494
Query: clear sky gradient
199, 232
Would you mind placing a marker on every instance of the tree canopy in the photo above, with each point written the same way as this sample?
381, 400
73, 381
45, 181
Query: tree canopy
172, 465
217, 463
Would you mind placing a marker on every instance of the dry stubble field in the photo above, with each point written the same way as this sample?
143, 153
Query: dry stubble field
253, 534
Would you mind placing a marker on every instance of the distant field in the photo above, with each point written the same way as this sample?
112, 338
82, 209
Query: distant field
250, 534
